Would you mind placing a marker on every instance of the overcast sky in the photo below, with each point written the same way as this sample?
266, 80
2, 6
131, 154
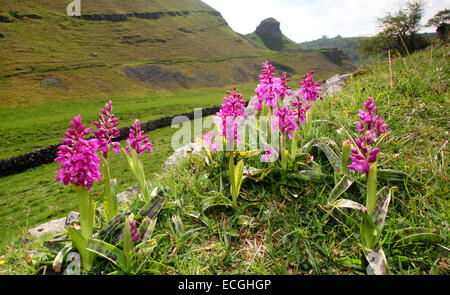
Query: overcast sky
306, 20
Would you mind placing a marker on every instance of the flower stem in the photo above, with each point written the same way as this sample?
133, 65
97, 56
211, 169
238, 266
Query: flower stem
109, 201
372, 188
87, 211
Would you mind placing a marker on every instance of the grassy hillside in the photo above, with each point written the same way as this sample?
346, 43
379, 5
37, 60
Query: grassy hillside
288, 232
57, 57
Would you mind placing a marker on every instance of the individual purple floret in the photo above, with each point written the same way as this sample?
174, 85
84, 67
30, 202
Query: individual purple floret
267, 157
285, 120
79, 160
310, 89
137, 140
107, 130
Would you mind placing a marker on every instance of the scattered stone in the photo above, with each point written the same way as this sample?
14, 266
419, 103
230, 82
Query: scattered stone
182, 152
128, 195
2, 35
94, 54
53, 81
51, 227
335, 84
72, 218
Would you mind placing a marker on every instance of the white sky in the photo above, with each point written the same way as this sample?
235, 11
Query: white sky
306, 20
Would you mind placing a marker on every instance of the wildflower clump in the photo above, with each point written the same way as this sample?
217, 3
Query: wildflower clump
371, 127
137, 140
79, 160
271, 88
107, 130
230, 116
310, 90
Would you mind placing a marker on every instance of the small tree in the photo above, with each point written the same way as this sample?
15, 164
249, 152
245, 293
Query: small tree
441, 22
399, 32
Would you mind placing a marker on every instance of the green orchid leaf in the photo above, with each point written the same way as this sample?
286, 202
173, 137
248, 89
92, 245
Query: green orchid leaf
108, 251
332, 157
238, 175
81, 244
249, 154
396, 176
128, 239
309, 175
413, 234
149, 231
111, 225
377, 263
344, 203
59, 259
152, 207
146, 247
344, 184
381, 207
216, 201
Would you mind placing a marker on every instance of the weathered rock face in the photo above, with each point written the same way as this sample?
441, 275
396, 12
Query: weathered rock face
270, 33
269, 27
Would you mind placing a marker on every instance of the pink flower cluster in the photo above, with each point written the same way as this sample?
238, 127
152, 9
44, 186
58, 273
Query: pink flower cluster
369, 121
79, 160
270, 88
137, 140
107, 130
285, 120
231, 114
372, 127
310, 89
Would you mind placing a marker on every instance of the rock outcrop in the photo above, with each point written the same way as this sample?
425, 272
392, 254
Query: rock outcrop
269, 31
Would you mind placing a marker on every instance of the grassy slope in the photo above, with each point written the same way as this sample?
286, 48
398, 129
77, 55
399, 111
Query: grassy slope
60, 45
289, 235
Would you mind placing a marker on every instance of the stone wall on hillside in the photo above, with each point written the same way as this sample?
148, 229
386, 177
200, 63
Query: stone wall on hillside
48, 154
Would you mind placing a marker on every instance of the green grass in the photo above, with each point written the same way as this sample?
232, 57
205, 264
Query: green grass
288, 232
